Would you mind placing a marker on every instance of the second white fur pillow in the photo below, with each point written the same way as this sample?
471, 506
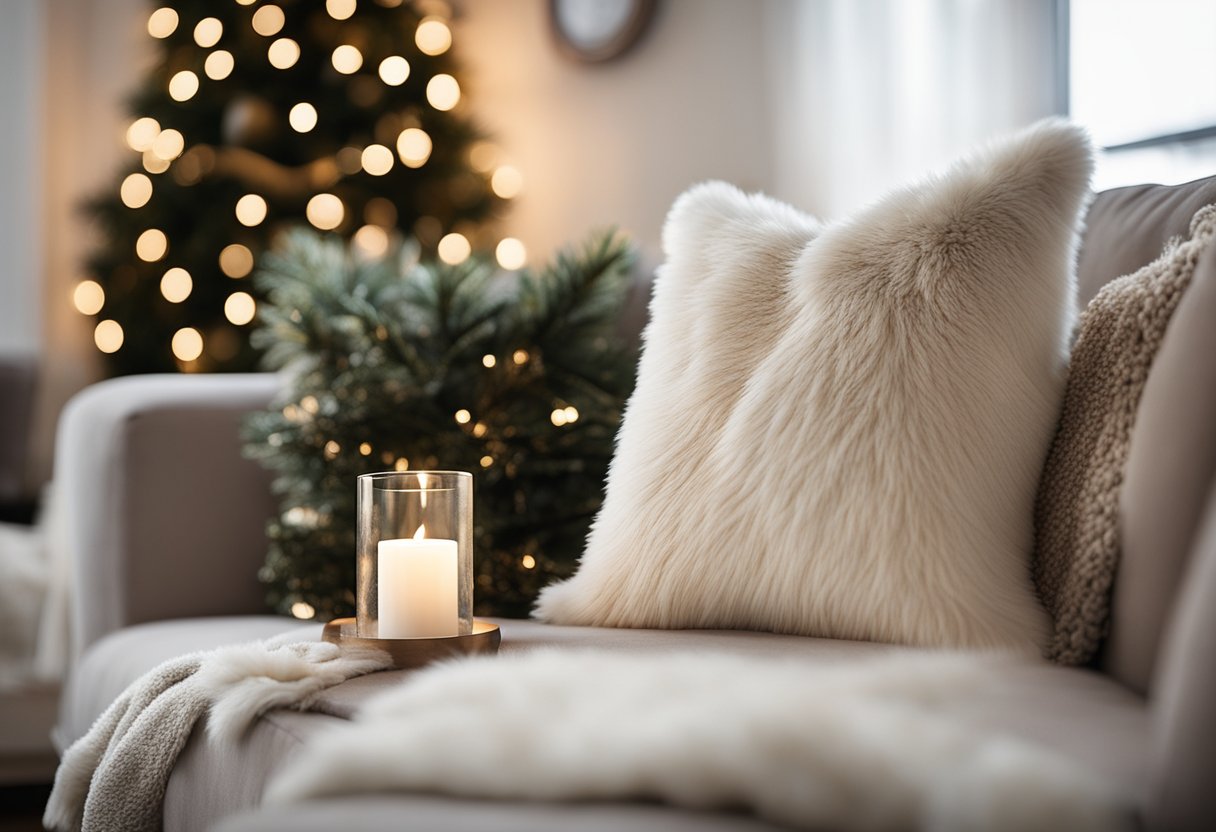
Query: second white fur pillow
838, 430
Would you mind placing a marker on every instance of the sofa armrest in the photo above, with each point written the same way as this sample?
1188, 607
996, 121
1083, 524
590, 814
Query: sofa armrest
163, 517
1181, 798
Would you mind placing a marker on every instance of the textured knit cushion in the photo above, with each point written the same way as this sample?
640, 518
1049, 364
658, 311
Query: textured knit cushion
1077, 512
838, 430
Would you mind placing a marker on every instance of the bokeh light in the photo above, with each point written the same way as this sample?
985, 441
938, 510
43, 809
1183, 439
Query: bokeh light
136, 190
108, 336
236, 260
88, 297
454, 248
183, 85
394, 70
187, 343
303, 117
325, 211
443, 92
250, 210
414, 147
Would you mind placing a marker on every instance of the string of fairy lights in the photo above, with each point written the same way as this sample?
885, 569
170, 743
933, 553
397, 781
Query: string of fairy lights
161, 147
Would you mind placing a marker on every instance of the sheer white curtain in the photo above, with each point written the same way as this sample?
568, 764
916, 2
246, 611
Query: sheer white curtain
869, 93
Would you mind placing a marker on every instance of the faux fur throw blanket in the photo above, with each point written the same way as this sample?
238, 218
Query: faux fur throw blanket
114, 777
865, 746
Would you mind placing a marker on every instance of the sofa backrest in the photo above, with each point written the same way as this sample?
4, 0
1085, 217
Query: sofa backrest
1172, 458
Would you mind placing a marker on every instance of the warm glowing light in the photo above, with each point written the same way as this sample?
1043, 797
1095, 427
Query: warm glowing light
527, 562
488, 361
564, 416
414, 147
507, 182
240, 308
372, 241
89, 297
310, 404
219, 64
332, 449
394, 70
454, 248
208, 31
152, 245
487, 461
303, 117
483, 156
365, 448
187, 343
236, 260
161, 24
463, 416
347, 59
402, 464
377, 159
183, 85
325, 211
283, 53
268, 20
176, 285
520, 356
168, 145
479, 429
136, 190
340, 9
511, 254
433, 36
142, 132
301, 609
443, 92
250, 210
153, 163
246, 2
107, 335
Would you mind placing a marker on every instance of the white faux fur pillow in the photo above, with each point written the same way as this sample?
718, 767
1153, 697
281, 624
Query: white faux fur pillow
838, 429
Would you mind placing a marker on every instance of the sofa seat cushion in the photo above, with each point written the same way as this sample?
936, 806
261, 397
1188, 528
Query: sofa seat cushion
1080, 714
449, 814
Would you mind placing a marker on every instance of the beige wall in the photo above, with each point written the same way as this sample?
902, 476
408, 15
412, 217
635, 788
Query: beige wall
615, 143
94, 52
20, 187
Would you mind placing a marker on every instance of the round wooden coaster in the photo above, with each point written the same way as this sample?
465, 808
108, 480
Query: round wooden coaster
416, 652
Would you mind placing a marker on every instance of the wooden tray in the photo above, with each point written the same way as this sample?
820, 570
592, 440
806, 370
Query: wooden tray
416, 652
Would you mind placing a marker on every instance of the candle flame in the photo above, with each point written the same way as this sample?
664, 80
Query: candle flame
421, 533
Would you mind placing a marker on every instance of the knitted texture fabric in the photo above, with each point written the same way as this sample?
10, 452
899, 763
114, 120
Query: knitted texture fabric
113, 779
1077, 508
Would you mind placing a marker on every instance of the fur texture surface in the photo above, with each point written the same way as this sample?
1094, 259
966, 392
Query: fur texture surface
838, 429
860, 746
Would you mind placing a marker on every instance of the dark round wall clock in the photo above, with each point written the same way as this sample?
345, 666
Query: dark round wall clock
599, 30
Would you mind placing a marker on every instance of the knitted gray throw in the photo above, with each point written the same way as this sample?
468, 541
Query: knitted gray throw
1077, 507
114, 777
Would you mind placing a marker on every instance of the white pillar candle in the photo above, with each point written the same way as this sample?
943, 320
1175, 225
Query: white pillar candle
416, 587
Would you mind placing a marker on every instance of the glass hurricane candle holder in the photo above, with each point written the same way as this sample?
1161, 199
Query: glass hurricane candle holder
414, 563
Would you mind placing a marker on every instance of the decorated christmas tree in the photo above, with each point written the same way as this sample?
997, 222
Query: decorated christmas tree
399, 364
344, 114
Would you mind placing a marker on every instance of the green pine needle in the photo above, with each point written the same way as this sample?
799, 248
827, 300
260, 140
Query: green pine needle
380, 356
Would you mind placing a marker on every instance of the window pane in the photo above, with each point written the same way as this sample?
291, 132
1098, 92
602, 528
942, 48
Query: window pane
1140, 69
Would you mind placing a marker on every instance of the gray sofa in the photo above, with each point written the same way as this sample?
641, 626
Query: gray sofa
165, 528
